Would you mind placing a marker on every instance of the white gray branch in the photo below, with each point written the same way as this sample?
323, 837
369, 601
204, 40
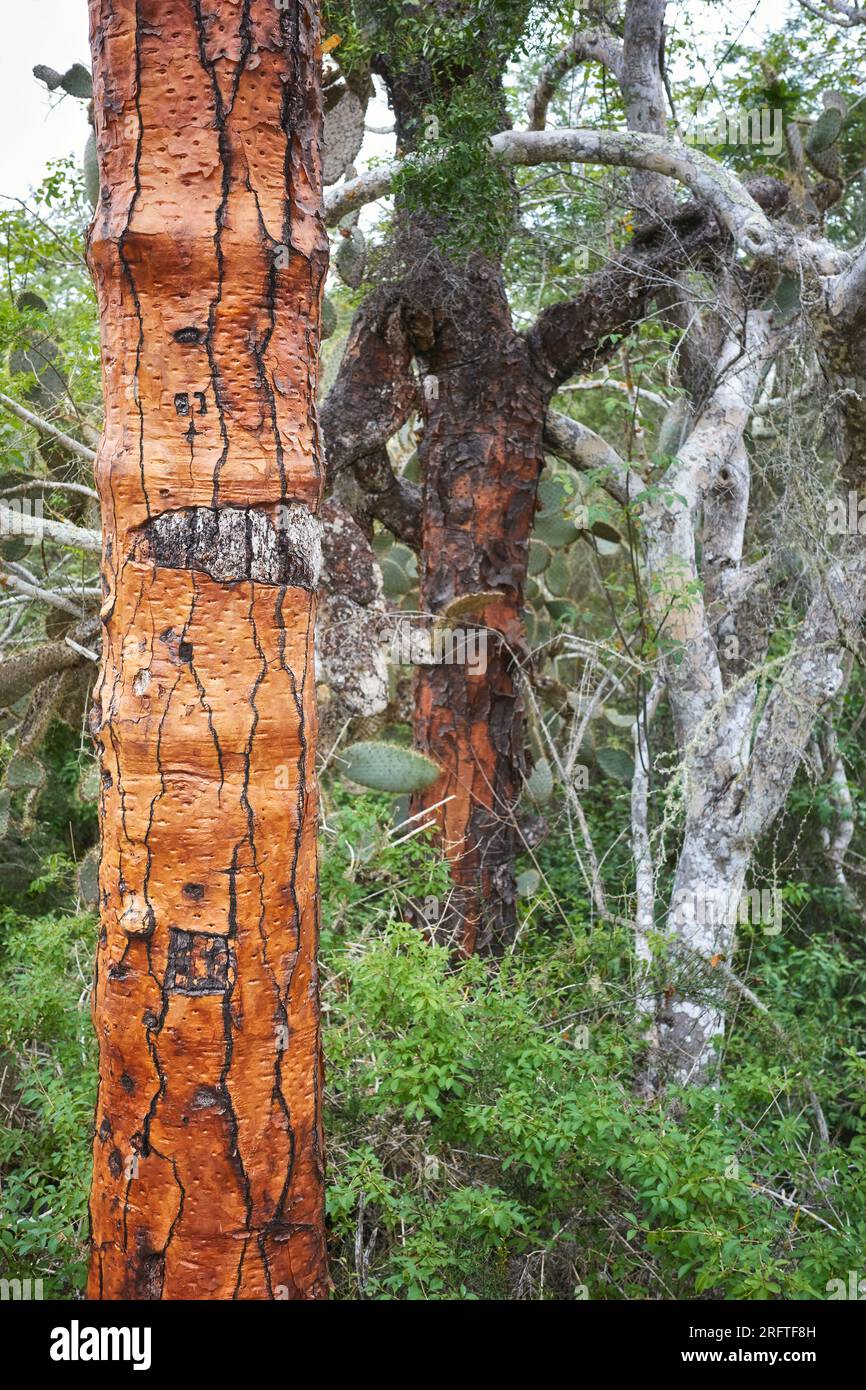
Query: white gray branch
596, 45
45, 427
580, 446
706, 179
49, 485
35, 591
37, 528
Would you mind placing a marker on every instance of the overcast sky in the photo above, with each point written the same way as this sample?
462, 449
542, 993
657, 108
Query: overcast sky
53, 32
37, 127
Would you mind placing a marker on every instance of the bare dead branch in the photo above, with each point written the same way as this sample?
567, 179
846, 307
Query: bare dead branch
46, 428
13, 523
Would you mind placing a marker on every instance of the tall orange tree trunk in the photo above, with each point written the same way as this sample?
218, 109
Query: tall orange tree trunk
209, 252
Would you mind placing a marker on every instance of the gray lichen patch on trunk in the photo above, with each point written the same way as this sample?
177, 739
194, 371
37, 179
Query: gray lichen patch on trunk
280, 545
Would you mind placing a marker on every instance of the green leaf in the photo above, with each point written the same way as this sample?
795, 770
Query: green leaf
540, 556
77, 82
539, 783
528, 883
555, 531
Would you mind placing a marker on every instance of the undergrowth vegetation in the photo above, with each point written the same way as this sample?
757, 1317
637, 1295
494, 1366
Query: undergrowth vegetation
484, 1137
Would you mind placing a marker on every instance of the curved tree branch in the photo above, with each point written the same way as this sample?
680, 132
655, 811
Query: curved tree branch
574, 336
711, 182
596, 45
376, 389
706, 179
392, 500
580, 446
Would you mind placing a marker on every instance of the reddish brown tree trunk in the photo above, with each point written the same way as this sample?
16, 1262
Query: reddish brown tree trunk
481, 457
484, 407
209, 253
482, 454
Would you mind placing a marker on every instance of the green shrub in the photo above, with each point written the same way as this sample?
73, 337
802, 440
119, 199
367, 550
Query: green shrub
484, 1137
48, 1097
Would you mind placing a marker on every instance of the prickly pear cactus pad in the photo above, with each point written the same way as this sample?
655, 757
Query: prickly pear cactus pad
344, 133
388, 767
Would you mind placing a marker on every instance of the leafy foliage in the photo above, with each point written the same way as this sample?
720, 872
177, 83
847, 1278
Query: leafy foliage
484, 1138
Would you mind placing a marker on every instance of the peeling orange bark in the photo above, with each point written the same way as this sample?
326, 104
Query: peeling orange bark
481, 456
209, 252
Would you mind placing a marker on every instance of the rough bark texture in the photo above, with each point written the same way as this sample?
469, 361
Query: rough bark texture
736, 771
573, 337
23, 671
351, 665
712, 725
481, 456
375, 392
208, 253
482, 450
